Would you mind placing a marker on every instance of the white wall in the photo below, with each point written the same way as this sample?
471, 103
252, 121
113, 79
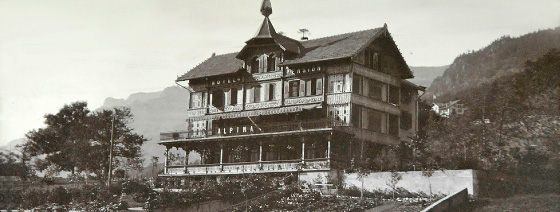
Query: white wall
442, 182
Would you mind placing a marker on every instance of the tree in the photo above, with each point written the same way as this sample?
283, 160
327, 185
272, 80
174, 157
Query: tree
303, 31
362, 175
12, 164
63, 138
76, 139
393, 181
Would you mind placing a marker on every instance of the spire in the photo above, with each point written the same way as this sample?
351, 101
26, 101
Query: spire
266, 30
266, 8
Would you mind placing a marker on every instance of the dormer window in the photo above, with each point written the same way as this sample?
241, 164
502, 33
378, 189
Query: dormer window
271, 63
255, 65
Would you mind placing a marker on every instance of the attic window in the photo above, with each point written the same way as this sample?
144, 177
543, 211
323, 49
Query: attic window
255, 65
271, 63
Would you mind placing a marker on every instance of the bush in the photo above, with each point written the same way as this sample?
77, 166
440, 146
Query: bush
60, 196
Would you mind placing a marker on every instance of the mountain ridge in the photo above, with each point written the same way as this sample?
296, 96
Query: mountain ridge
505, 56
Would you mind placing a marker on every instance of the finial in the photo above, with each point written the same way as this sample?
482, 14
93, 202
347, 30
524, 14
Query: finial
266, 8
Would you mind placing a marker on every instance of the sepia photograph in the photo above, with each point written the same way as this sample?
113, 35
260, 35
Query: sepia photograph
280, 105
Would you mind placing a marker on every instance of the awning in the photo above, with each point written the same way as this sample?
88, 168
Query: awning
261, 112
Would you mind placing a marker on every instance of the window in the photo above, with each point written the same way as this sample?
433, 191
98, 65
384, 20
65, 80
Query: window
308, 88
319, 86
406, 96
250, 94
339, 83
302, 88
406, 120
233, 96
357, 84
394, 125
271, 63
218, 98
313, 87
372, 59
257, 93
393, 95
294, 88
374, 89
356, 116
196, 100
255, 65
336, 83
271, 88
375, 120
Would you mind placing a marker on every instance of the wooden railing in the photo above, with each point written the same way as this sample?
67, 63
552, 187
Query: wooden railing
250, 167
338, 98
262, 128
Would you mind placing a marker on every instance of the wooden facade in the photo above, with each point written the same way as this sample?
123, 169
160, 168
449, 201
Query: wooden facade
294, 106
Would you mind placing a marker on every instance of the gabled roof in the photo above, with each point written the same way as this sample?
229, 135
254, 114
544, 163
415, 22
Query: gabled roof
333, 47
321, 49
213, 66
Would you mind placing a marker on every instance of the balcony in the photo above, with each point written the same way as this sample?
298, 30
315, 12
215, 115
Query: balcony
196, 112
320, 164
245, 130
338, 98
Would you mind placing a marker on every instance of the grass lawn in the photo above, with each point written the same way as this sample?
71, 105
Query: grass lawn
522, 202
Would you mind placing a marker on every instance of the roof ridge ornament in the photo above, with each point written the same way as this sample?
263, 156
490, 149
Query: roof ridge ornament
266, 8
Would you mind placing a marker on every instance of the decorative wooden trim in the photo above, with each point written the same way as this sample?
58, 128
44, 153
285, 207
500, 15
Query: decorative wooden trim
196, 112
338, 98
261, 105
304, 100
267, 76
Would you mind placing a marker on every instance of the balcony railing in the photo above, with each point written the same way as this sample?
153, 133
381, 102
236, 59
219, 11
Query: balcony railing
338, 98
250, 167
241, 130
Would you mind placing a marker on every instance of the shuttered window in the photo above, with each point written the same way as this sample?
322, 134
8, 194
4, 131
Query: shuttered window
257, 94
302, 88
250, 94
271, 93
233, 96
319, 86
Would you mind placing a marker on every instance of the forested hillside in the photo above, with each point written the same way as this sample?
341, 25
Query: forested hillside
503, 57
511, 125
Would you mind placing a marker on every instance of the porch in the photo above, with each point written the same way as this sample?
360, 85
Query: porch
320, 164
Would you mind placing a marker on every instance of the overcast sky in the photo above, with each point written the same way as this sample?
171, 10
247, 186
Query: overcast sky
56, 52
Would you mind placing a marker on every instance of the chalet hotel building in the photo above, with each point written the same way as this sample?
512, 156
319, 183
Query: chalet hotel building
281, 105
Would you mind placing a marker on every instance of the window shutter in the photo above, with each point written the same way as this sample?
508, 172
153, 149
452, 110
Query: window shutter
301, 88
308, 90
331, 84
347, 83
227, 96
249, 95
319, 86
272, 91
265, 92
257, 93
286, 89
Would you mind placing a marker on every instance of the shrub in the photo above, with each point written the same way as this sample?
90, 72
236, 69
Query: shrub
60, 196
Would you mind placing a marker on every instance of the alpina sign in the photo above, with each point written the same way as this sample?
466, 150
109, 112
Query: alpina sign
236, 130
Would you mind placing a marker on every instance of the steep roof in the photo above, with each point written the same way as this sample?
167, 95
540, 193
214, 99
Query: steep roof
333, 47
321, 49
213, 66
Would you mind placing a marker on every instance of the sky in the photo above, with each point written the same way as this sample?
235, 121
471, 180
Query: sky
60, 51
